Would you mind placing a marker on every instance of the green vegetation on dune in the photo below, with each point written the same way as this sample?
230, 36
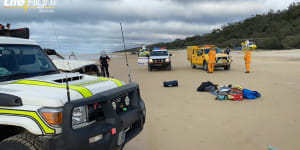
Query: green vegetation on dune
273, 30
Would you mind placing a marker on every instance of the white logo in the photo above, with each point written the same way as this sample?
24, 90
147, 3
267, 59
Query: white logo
42, 5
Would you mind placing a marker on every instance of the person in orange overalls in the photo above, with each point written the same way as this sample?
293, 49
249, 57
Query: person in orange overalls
211, 60
247, 59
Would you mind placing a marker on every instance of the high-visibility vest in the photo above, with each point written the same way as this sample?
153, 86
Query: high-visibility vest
212, 56
247, 57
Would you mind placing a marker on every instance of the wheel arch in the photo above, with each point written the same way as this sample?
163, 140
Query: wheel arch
9, 131
20, 122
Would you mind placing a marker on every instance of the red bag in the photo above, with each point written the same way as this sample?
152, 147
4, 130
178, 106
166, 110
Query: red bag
235, 95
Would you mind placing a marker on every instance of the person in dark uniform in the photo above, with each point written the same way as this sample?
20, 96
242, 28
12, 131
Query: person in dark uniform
227, 51
104, 59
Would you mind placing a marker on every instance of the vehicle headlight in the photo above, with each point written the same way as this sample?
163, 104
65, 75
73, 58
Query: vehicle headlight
53, 116
127, 101
167, 60
79, 115
150, 60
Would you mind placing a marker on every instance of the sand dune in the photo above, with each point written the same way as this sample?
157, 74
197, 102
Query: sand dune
182, 118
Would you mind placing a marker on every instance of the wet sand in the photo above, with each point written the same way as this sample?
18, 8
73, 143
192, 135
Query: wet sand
182, 118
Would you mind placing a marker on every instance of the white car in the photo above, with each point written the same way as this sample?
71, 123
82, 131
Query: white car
159, 59
44, 109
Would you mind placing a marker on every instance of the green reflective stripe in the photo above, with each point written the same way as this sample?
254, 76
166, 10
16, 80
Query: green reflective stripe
118, 83
83, 91
31, 114
88, 83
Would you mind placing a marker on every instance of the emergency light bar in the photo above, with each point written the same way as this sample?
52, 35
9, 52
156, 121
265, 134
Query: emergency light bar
18, 33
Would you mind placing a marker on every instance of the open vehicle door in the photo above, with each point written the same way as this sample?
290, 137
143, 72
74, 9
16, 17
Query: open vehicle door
143, 56
143, 60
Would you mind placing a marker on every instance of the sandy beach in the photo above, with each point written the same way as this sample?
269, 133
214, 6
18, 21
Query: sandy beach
182, 118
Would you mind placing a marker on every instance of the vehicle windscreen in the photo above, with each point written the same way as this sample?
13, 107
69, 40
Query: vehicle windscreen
218, 50
19, 61
159, 53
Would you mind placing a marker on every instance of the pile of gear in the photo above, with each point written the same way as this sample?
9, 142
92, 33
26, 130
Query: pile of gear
229, 92
170, 83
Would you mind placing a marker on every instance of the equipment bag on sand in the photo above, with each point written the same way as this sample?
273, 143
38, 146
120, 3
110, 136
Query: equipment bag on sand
235, 95
222, 96
207, 87
248, 94
171, 83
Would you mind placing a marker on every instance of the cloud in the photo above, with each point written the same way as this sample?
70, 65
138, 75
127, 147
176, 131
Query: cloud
93, 25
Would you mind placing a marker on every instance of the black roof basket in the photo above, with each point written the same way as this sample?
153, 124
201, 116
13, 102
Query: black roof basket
18, 33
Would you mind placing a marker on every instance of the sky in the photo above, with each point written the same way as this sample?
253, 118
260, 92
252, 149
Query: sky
94, 25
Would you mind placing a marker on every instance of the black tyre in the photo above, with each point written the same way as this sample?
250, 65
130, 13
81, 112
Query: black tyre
193, 66
169, 67
149, 68
227, 67
23, 141
205, 66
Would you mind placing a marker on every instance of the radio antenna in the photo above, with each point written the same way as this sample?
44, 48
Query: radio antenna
125, 51
68, 89
58, 44
67, 79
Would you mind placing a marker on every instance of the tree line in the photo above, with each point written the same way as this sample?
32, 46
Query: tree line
272, 30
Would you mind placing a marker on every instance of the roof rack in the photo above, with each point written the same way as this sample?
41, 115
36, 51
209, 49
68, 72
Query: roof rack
18, 33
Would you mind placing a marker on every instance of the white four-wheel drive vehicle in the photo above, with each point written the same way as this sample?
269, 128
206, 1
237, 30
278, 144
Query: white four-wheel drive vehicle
38, 113
159, 59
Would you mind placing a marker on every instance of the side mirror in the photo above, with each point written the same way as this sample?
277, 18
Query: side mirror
170, 54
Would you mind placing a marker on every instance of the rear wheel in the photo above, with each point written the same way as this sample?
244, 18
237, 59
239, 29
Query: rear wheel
23, 141
205, 66
227, 67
